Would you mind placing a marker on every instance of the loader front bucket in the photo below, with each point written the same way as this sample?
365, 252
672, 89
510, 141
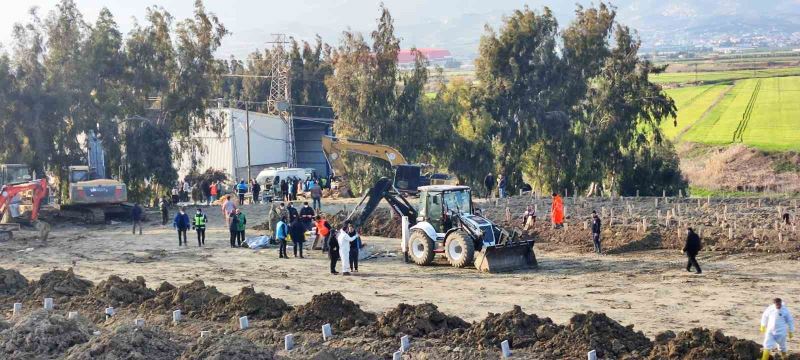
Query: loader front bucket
506, 257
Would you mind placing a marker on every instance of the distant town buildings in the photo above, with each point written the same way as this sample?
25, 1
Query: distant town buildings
436, 57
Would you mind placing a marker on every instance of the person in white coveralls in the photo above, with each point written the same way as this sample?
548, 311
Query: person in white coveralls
776, 324
346, 235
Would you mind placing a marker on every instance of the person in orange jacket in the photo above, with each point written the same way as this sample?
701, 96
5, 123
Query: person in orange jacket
557, 211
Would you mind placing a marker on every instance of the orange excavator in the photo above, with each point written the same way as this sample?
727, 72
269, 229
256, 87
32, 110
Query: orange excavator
15, 199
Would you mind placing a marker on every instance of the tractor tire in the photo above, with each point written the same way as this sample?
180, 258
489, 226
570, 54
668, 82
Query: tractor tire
420, 248
460, 249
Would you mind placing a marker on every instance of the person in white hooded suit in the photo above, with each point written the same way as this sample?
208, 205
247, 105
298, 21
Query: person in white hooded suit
346, 235
776, 324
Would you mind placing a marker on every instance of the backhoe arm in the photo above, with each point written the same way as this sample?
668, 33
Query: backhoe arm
334, 148
381, 190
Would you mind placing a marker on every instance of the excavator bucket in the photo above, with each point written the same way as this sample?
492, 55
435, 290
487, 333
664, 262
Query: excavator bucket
506, 257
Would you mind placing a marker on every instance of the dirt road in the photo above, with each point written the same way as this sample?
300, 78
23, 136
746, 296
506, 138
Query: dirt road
648, 289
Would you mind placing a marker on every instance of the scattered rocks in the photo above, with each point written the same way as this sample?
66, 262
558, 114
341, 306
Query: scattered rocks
41, 335
698, 343
417, 320
256, 306
120, 292
520, 329
192, 299
228, 347
127, 342
11, 282
330, 307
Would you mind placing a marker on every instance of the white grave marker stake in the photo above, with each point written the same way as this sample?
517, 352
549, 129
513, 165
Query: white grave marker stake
48, 303
17, 309
244, 323
288, 341
405, 343
506, 348
327, 333
176, 316
72, 315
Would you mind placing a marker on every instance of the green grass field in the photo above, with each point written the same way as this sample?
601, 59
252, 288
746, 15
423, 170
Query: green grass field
722, 76
763, 113
692, 102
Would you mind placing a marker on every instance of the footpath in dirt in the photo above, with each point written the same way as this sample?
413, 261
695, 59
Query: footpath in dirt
357, 334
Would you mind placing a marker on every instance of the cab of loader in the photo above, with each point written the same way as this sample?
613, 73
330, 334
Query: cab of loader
438, 204
14, 174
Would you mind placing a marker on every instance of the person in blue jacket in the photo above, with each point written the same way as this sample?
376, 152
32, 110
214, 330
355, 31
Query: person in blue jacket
281, 232
241, 189
182, 224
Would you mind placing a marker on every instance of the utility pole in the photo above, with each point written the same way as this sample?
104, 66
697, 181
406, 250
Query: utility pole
279, 102
247, 129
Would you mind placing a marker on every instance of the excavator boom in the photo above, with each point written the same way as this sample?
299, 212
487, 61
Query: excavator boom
334, 148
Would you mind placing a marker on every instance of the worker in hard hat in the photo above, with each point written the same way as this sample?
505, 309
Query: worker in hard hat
557, 211
776, 324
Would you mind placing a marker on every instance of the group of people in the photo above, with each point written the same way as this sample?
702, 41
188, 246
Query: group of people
290, 187
489, 183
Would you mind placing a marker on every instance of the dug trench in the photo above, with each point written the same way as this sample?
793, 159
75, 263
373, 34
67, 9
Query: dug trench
358, 334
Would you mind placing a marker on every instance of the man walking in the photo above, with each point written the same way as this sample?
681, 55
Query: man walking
281, 231
596, 225
316, 196
691, 249
307, 215
199, 225
164, 205
777, 324
181, 223
298, 232
488, 182
228, 209
136, 216
241, 226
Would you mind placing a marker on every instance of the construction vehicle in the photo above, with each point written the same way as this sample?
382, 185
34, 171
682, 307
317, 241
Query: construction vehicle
411, 174
92, 196
446, 224
19, 195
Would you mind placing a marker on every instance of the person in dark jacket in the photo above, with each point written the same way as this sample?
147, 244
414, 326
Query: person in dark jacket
298, 232
307, 216
136, 216
234, 228
333, 252
596, 225
293, 189
242, 226
285, 190
182, 224
355, 247
256, 188
691, 249
164, 205
292, 213
488, 182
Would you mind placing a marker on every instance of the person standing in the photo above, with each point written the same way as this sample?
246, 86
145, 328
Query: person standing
182, 224
281, 231
323, 231
529, 218
777, 324
355, 247
293, 190
344, 238
292, 211
186, 191
199, 225
213, 191
273, 215
316, 196
205, 186
256, 188
596, 225
164, 205
691, 249
241, 226
333, 251
136, 216
228, 209
285, 190
241, 190
175, 196
233, 227
307, 216
501, 186
557, 211
298, 233
488, 182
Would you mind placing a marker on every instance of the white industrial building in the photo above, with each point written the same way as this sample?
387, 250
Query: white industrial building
268, 140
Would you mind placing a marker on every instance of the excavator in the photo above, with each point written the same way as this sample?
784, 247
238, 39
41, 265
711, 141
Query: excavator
446, 223
20, 195
410, 174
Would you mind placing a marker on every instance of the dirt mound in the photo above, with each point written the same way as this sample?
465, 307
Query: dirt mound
256, 306
330, 307
520, 329
596, 331
697, 344
11, 282
58, 284
417, 321
119, 292
192, 299
41, 335
228, 347
164, 287
127, 342
383, 222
